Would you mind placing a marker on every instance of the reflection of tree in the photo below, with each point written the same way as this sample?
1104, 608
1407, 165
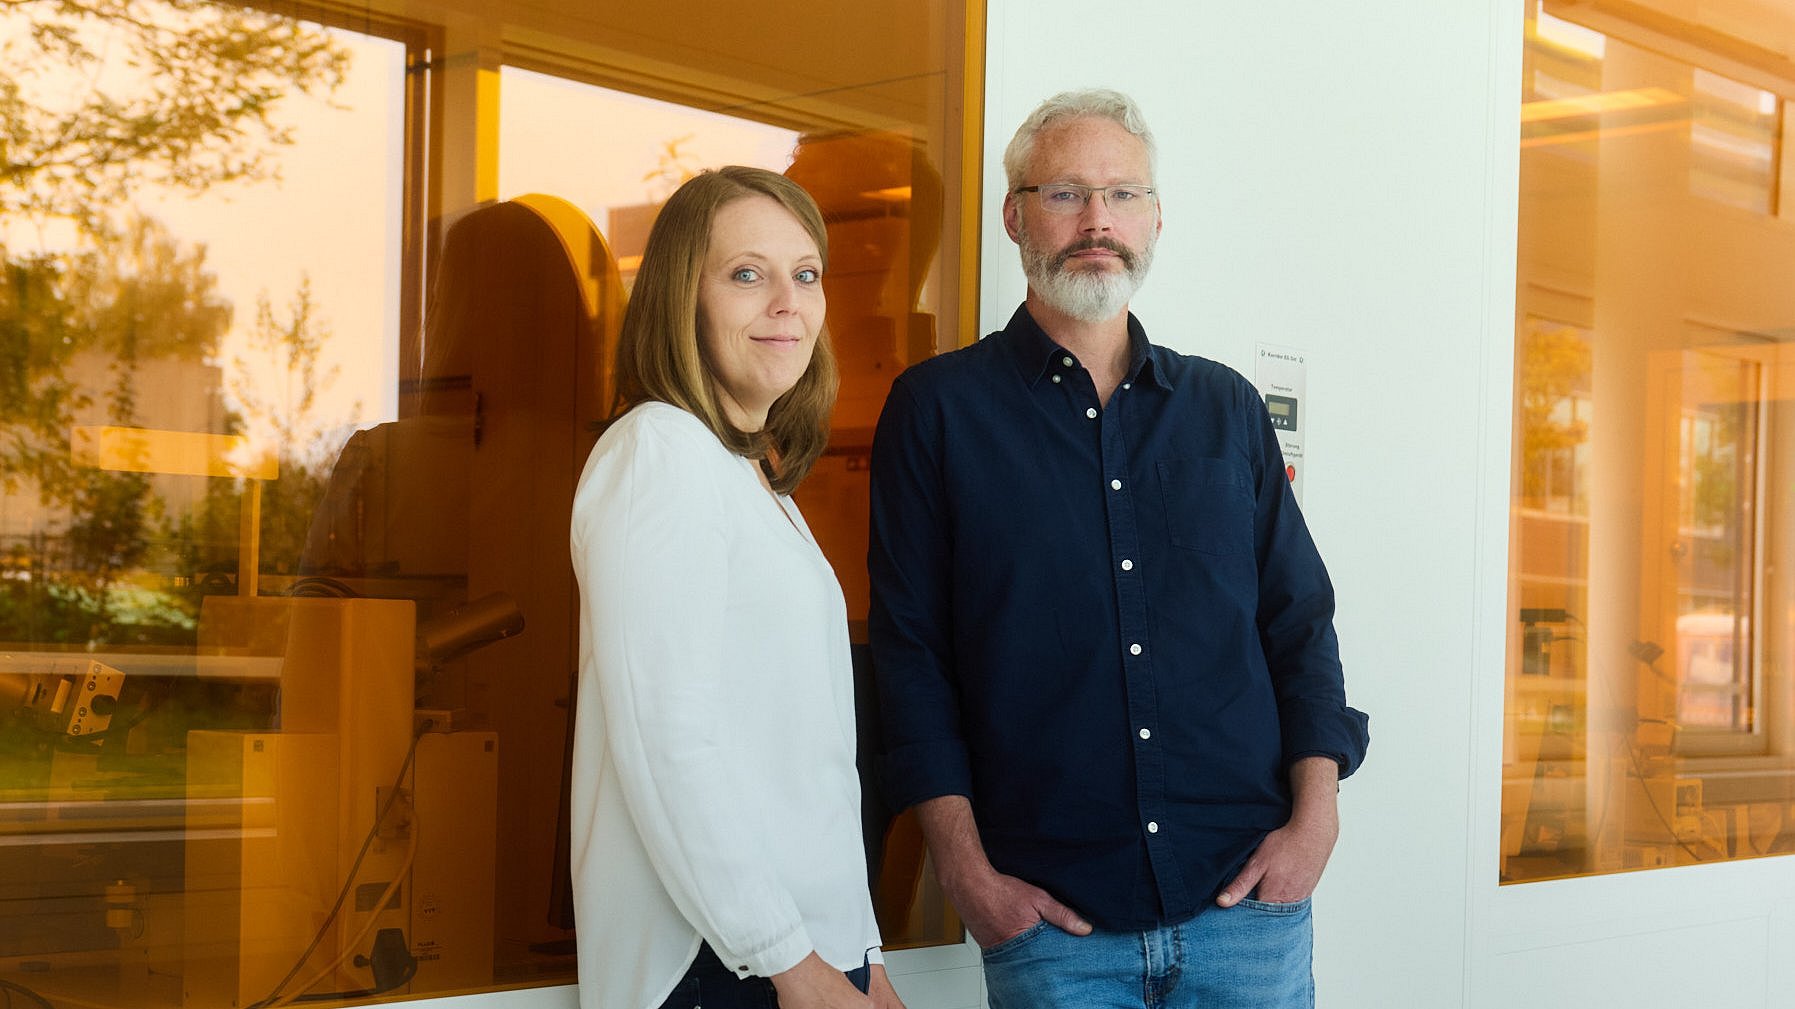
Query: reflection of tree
74, 333
35, 344
296, 345
1715, 467
97, 99
1554, 371
673, 169
190, 108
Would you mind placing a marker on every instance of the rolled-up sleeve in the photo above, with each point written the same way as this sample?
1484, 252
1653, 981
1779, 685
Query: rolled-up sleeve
1296, 617
909, 625
651, 549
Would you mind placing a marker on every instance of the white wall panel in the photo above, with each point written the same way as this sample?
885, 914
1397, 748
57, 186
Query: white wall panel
1330, 183
1709, 964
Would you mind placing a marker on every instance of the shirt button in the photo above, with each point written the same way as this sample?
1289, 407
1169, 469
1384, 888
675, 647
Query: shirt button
1091, 412
1067, 361
1146, 733
1134, 649
1056, 380
1115, 485
1127, 565
1127, 385
1152, 826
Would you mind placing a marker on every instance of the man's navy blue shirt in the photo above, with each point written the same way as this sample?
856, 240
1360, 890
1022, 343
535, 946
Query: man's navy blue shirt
1106, 626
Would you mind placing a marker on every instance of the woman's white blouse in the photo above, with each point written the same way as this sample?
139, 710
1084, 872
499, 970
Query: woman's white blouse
714, 789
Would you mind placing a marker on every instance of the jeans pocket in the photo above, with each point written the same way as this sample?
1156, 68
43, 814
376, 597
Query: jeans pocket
1276, 906
1016, 941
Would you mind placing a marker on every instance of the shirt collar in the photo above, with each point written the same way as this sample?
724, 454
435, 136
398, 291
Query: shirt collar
1035, 353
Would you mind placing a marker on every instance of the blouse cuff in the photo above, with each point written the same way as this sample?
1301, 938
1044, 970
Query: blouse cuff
778, 958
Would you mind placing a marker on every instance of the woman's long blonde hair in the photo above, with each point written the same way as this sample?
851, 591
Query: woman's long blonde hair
659, 355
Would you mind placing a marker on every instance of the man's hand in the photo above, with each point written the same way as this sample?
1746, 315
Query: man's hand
879, 988
995, 907
1288, 864
813, 984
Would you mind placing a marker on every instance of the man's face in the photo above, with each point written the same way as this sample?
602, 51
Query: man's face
1086, 264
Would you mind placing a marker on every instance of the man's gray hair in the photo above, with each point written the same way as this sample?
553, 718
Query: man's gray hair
1101, 103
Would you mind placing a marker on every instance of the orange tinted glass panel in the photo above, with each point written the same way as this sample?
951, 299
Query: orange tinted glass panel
1650, 716
304, 328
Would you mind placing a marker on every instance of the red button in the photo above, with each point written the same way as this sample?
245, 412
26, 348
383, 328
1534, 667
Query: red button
1290, 471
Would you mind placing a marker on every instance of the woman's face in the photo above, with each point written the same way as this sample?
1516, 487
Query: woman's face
760, 306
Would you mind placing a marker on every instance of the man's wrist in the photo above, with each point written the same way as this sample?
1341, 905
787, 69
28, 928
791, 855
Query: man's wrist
1315, 791
963, 872
952, 836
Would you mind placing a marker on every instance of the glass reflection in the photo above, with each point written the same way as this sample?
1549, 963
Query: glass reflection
174, 388
296, 373
883, 200
1650, 716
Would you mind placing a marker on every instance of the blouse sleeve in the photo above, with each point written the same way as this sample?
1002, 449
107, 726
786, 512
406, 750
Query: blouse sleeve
651, 545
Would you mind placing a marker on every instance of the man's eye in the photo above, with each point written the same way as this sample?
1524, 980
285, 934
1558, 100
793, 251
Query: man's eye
1124, 195
1061, 195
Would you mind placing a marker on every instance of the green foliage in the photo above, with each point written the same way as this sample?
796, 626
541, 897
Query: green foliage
134, 295
98, 97
1716, 505
295, 342
1554, 368
74, 330
37, 337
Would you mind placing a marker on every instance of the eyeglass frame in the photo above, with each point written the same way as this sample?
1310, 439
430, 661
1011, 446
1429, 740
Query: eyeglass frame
1088, 191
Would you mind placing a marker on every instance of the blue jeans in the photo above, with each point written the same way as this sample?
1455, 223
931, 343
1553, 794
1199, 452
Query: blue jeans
1253, 955
710, 985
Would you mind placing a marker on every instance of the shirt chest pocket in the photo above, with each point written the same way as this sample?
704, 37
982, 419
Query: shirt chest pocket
1208, 505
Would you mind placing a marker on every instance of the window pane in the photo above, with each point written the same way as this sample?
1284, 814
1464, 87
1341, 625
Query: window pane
1650, 718
193, 317
617, 157
1732, 142
303, 333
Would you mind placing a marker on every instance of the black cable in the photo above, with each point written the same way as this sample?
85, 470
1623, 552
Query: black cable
354, 869
9, 987
410, 972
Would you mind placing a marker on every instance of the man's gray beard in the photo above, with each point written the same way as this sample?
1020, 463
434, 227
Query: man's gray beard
1085, 295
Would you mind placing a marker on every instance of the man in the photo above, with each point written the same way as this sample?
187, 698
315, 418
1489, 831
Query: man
1103, 637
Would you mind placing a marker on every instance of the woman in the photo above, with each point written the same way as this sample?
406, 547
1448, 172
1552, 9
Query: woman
717, 856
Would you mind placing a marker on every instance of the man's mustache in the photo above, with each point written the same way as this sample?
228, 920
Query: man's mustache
1110, 244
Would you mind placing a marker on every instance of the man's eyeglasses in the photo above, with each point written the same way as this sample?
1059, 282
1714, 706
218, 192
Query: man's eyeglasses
1067, 198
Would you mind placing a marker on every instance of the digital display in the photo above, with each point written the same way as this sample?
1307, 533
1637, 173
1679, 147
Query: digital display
1282, 410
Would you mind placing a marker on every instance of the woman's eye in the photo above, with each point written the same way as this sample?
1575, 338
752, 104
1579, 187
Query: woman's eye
745, 275
809, 275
